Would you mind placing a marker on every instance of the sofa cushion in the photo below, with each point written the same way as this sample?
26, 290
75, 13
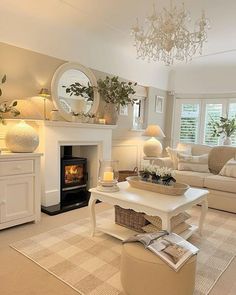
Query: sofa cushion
191, 178
229, 168
185, 149
218, 157
221, 183
193, 163
196, 149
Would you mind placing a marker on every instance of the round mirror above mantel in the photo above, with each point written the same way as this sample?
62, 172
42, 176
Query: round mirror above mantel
74, 90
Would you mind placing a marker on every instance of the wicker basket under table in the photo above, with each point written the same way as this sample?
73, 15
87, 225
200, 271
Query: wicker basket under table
130, 218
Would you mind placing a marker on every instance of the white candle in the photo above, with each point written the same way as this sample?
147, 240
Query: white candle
108, 176
102, 121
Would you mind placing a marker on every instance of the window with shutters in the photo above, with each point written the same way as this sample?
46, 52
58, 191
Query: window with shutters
231, 115
213, 112
192, 117
189, 123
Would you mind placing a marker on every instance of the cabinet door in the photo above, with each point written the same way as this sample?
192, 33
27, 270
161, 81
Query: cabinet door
16, 198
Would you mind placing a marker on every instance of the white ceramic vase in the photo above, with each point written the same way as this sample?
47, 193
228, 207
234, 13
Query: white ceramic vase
110, 114
22, 138
227, 141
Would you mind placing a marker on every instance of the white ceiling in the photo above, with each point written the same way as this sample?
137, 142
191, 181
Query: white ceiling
110, 20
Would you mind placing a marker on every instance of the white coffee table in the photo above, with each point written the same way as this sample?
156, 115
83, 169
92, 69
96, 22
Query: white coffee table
155, 204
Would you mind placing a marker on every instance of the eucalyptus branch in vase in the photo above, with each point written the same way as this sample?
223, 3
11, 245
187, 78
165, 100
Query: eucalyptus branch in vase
78, 89
225, 126
4, 108
116, 92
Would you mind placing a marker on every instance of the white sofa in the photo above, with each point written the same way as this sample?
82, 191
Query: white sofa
222, 190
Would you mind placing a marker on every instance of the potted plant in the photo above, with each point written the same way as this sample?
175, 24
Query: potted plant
224, 127
4, 108
115, 93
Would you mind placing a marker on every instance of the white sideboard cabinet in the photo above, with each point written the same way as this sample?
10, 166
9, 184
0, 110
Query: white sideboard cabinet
20, 188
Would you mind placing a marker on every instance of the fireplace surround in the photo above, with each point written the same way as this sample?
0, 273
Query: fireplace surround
90, 141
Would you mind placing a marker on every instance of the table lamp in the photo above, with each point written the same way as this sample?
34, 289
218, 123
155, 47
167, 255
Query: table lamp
44, 93
152, 147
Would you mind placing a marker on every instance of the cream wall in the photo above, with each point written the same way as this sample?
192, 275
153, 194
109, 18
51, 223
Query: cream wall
70, 41
28, 71
204, 79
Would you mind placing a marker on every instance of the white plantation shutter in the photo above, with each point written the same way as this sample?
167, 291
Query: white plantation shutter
214, 111
189, 122
232, 114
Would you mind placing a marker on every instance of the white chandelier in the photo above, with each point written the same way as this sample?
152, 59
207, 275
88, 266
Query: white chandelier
166, 37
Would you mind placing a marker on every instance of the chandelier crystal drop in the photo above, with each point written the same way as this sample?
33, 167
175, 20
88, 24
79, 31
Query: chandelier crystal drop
165, 36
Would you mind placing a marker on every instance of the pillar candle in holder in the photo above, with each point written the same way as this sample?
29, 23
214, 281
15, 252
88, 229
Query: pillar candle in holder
108, 176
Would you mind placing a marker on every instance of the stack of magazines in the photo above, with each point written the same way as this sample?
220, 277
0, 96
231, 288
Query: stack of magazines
170, 247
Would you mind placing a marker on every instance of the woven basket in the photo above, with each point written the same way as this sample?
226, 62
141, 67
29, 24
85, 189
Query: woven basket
125, 173
130, 218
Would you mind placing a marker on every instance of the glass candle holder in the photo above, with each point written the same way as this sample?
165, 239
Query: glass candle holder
108, 175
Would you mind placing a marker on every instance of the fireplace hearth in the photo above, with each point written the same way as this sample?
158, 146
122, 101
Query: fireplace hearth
73, 183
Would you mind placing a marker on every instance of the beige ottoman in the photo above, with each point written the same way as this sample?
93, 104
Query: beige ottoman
144, 273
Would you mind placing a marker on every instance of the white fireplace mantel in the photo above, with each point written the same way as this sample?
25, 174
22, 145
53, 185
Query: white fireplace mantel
53, 135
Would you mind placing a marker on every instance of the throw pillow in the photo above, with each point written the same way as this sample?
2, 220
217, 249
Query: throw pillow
175, 220
193, 163
229, 168
172, 153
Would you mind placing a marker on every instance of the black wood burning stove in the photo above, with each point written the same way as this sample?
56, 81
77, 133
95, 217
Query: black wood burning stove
74, 177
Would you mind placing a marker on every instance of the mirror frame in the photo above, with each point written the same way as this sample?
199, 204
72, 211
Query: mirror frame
54, 87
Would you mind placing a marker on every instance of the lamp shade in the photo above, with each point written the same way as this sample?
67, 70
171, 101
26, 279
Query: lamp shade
44, 92
154, 131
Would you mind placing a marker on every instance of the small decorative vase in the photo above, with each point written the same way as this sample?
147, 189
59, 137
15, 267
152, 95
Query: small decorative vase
22, 138
227, 141
54, 115
110, 114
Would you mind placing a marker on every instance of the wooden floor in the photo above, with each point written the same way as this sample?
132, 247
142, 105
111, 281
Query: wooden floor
20, 276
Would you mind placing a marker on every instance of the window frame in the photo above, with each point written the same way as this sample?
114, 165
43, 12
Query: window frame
202, 117
142, 107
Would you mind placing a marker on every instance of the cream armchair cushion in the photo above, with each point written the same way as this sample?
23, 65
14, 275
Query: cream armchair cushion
219, 156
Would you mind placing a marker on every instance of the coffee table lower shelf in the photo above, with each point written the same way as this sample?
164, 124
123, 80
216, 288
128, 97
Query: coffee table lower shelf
122, 233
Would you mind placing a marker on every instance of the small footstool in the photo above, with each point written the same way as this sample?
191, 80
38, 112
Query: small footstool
143, 272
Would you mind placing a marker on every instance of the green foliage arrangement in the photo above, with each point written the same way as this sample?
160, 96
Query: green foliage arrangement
116, 92
224, 126
111, 90
4, 108
4, 78
80, 90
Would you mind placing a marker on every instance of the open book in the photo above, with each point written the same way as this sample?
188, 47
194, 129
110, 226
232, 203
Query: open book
171, 248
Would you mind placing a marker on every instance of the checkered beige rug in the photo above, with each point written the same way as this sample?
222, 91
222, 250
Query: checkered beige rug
91, 265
